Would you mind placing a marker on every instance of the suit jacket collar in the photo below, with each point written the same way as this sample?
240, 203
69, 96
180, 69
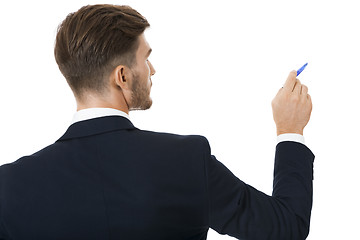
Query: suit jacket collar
96, 126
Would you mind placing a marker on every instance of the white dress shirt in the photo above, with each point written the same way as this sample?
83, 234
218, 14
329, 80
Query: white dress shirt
90, 113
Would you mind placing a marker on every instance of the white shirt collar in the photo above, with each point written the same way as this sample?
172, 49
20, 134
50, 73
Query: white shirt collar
89, 113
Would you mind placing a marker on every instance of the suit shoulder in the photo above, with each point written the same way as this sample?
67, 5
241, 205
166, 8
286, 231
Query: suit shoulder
173, 138
20, 164
29, 159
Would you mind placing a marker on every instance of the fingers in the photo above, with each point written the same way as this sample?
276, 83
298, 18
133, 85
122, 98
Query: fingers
290, 81
297, 87
304, 93
308, 101
294, 86
304, 90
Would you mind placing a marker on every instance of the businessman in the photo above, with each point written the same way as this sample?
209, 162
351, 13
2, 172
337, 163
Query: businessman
106, 179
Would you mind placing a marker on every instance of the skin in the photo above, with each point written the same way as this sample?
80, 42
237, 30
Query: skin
128, 88
292, 106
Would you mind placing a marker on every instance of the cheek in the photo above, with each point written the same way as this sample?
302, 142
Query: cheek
144, 75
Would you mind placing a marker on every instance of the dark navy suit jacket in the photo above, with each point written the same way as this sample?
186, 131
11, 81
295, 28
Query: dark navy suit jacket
106, 179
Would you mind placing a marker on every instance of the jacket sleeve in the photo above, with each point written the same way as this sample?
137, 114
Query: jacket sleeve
2, 230
243, 212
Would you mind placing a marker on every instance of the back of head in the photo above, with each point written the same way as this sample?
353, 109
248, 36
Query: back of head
91, 42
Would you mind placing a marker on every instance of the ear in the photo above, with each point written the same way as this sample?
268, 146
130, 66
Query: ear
122, 77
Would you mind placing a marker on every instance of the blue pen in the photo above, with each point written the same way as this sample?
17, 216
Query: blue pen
301, 69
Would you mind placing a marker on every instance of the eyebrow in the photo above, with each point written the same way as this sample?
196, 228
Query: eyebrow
148, 53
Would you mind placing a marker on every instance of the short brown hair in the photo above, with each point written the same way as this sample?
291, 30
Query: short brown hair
91, 42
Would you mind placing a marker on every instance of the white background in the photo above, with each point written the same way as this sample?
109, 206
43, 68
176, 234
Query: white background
219, 64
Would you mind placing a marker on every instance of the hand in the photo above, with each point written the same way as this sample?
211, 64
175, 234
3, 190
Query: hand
292, 106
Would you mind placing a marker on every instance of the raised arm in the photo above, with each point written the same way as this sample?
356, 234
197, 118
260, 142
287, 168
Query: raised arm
240, 210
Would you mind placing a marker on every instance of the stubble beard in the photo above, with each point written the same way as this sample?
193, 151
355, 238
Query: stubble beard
140, 96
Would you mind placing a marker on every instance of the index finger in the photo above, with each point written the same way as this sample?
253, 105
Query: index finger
290, 81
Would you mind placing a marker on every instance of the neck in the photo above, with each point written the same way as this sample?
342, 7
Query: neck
93, 101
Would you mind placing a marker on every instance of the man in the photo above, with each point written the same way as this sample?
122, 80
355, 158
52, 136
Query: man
106, 179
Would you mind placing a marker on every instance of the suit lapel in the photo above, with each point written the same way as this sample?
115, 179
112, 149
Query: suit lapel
96, 126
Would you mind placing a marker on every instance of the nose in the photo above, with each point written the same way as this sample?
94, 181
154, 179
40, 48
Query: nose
152, 69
